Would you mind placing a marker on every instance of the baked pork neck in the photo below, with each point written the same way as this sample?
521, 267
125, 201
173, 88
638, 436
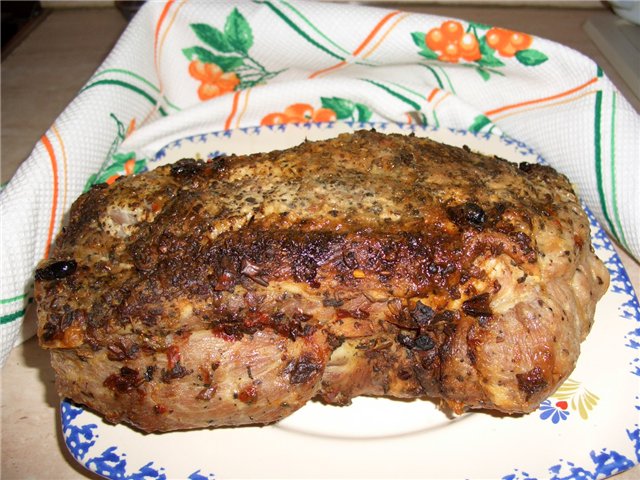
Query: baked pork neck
234, 291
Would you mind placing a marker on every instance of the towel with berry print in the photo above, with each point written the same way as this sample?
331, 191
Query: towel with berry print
183, 68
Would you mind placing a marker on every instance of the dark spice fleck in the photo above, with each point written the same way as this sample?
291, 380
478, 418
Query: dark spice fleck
302, 369
124, 382
178, 371
407, 157
56, 270
446, 316
49, 331
122, 349
526, 167
405, 340
468, 213
218, 163
186, 167
477, 306
422, 314
532, 381
148, 374
424, 342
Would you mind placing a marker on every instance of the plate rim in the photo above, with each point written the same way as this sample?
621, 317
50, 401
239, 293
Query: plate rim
503, 138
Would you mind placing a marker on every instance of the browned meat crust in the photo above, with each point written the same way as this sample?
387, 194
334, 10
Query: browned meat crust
232, 292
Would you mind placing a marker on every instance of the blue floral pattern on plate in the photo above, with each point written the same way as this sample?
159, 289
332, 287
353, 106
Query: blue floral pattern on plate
553, 411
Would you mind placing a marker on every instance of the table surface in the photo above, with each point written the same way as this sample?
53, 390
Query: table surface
42, 75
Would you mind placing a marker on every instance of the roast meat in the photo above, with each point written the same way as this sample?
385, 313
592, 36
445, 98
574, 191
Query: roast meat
232, 292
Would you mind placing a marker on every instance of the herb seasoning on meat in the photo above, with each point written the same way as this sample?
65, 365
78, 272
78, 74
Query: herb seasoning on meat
231, 292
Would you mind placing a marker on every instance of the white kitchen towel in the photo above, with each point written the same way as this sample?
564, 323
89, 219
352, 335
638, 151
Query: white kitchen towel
187, 67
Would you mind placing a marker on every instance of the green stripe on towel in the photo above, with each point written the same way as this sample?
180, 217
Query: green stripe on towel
12, 317
129, 86
394, 93
598, 162
300, 32
614, 192
4, 301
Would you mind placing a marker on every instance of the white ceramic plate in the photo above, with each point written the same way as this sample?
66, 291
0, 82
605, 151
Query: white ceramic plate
587, 430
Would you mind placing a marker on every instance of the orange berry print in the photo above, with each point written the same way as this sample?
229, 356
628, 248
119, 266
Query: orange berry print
276, 118
129, 166
324, 115
214, 82
453, 43
299, 113
507, 42
112, 179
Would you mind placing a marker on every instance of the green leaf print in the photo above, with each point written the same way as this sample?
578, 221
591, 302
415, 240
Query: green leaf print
212, 37
480, 26
116, 164
419, 39
238, 32
343, 107
121, 166
91, 181
483, 73
226, 63
346, 109
428, 54
490, 61
364, 112
111, 171
199, 53
531, 57
478, 123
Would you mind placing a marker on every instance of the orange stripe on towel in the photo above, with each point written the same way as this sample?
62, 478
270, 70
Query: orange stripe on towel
442, 99
65, 167
379, 42
54, 204
170, 24
549, 105
234, 109
540, 100
361, 47
328, 69
432, 94
163, 15
374, 31
245, 104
